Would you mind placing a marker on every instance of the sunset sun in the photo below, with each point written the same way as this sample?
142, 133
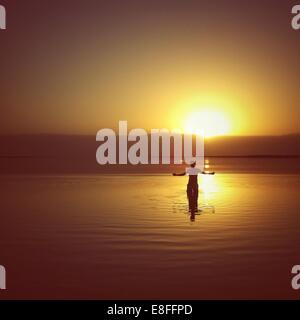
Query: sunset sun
206, 123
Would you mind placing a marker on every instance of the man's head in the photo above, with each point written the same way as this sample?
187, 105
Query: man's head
193, 164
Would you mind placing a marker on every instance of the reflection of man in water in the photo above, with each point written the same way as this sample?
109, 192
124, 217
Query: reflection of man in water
192, 187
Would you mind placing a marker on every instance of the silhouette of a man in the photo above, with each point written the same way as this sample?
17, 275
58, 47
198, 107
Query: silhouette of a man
192, 186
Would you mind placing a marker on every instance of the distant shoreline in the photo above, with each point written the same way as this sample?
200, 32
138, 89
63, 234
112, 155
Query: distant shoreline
206, 156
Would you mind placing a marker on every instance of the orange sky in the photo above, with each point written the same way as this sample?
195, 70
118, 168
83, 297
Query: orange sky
76, 68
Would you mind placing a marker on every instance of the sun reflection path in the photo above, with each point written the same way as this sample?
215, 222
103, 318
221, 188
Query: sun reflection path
208, 186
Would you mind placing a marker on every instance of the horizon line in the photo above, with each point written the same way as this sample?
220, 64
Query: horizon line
89, 135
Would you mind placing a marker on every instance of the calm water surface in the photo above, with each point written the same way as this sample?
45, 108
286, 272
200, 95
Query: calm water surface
130, 236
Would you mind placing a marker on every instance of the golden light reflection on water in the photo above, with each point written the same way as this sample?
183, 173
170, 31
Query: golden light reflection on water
208, 185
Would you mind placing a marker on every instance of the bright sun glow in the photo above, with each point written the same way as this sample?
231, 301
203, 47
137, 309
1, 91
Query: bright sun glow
206, 123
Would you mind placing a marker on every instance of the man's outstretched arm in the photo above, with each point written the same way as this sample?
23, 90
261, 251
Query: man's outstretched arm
179, 174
